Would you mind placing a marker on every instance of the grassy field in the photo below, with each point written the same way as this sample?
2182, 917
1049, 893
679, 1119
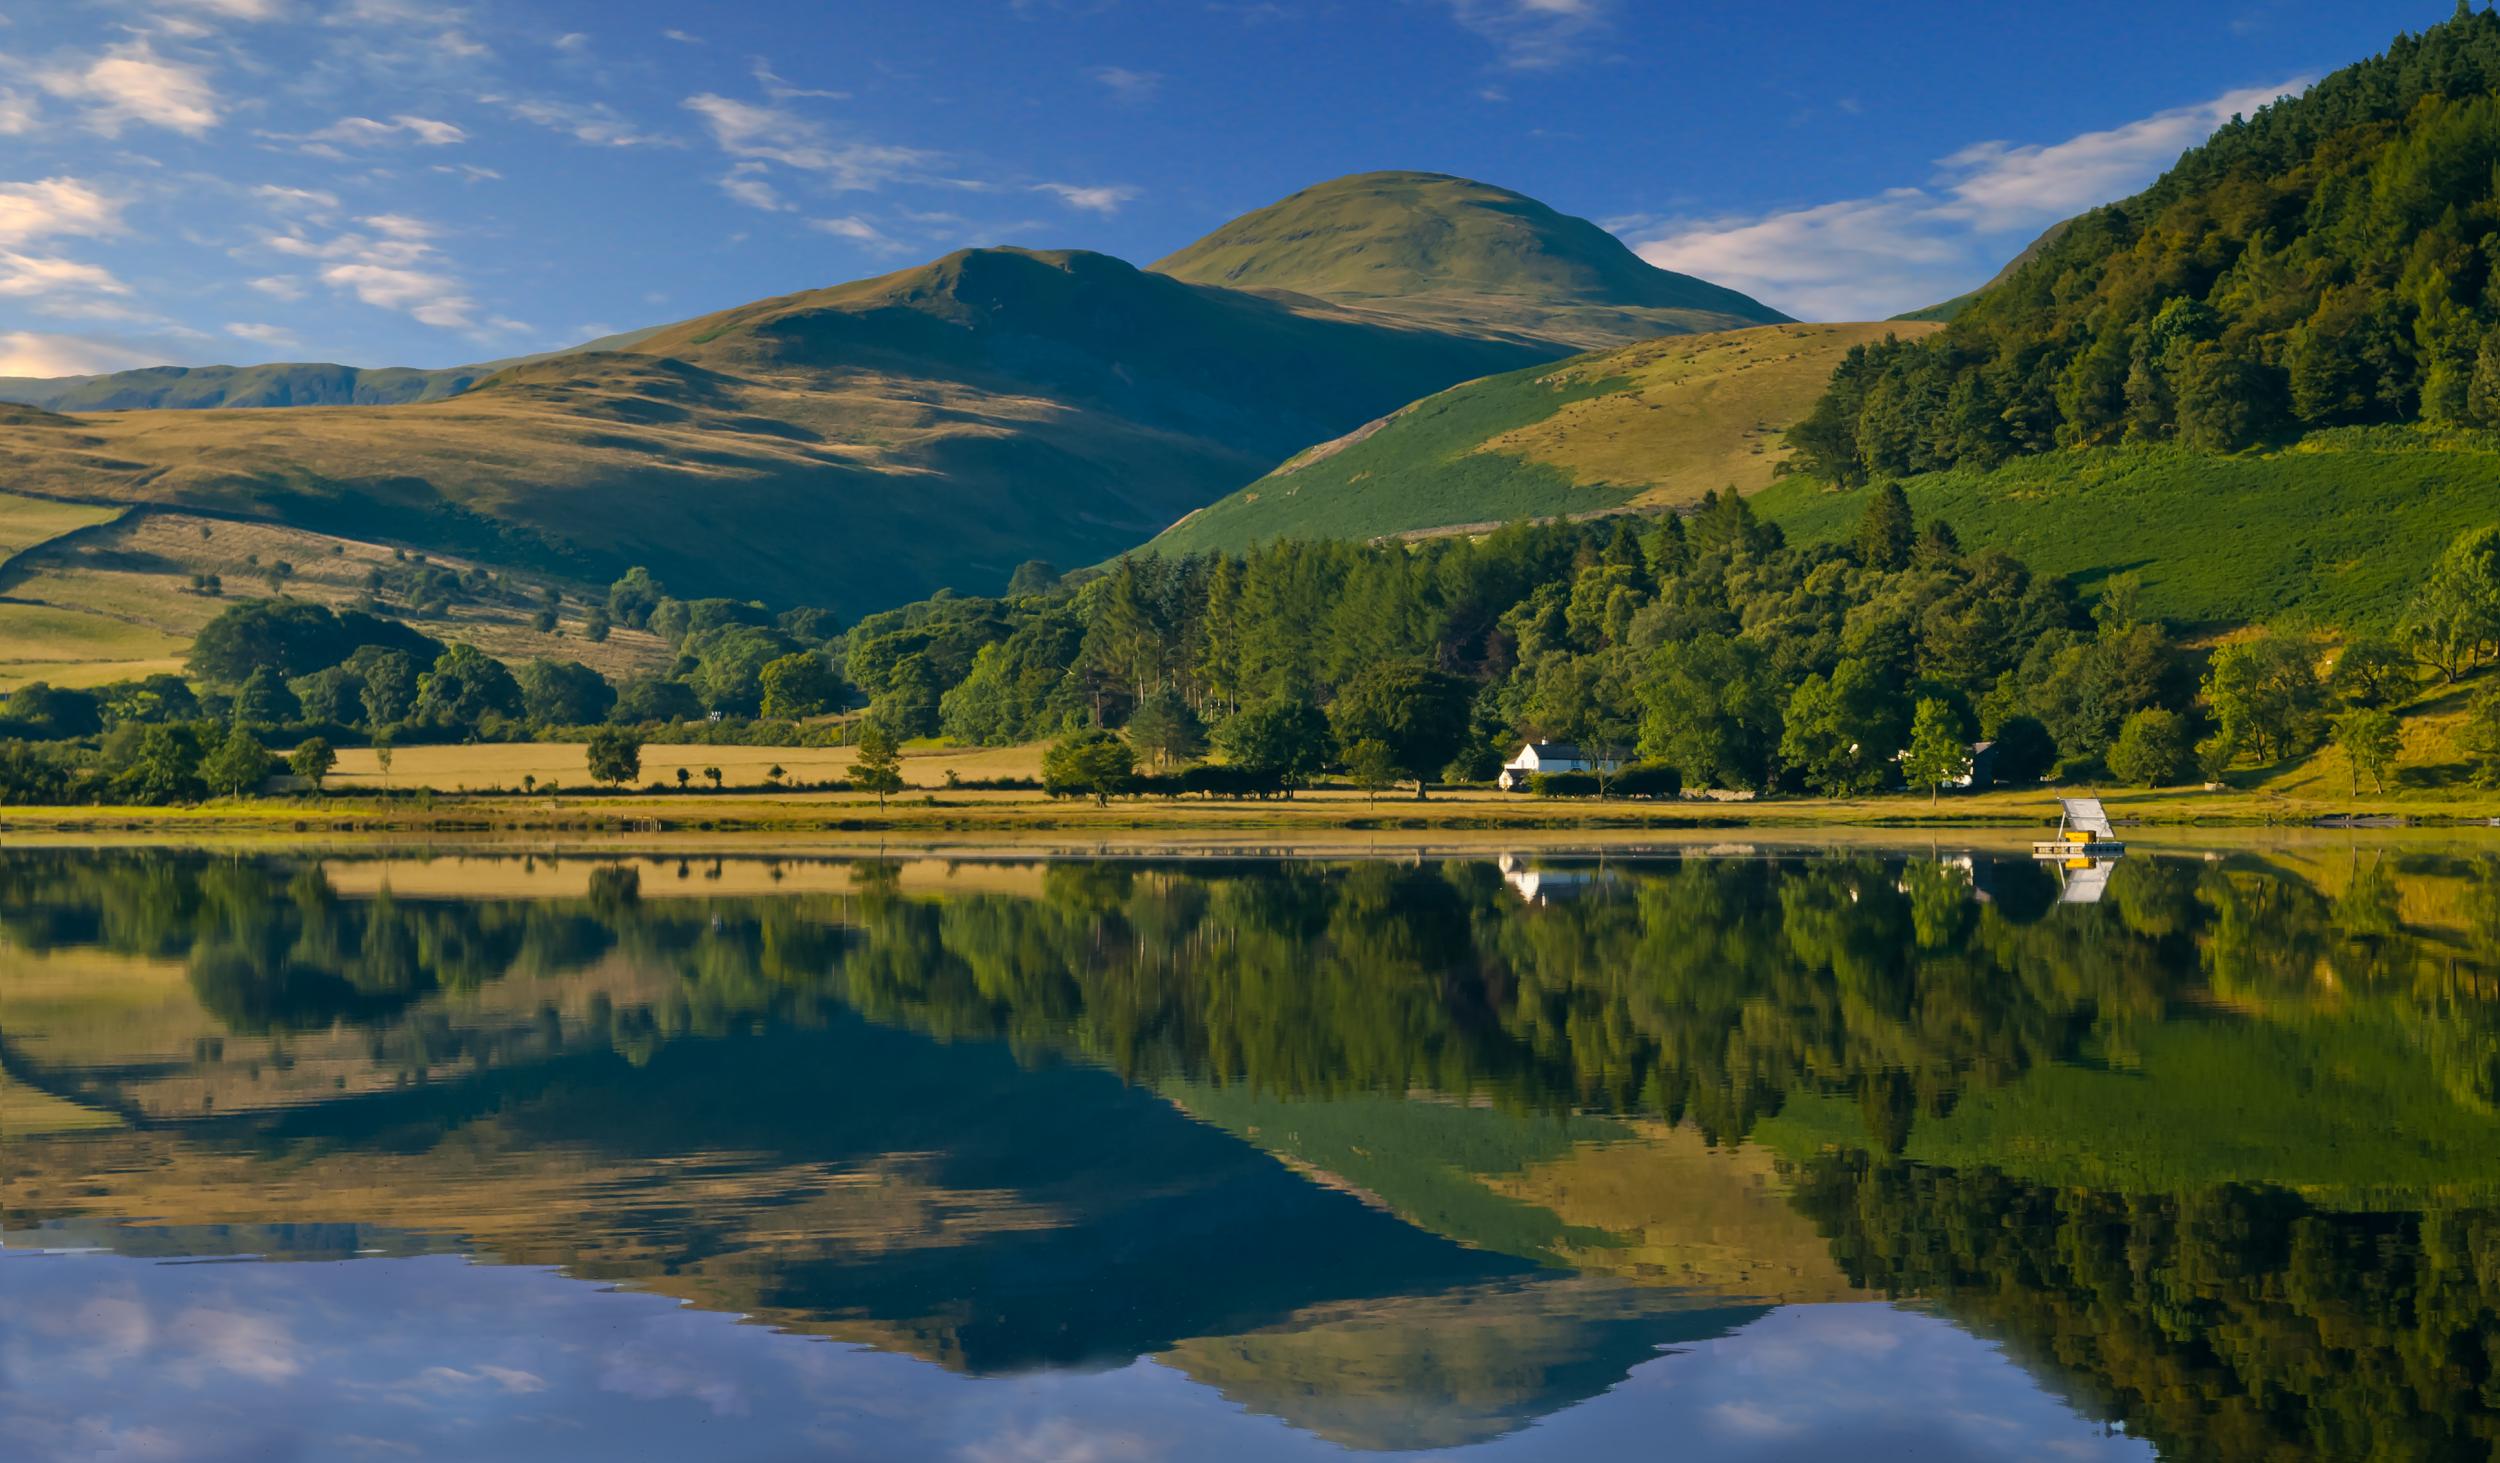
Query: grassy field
2335, 529
26, 522
1654, 425
138, 573
502, 765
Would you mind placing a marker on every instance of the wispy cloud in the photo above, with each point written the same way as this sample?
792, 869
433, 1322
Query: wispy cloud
1132, 88
745, 183
367, 132
292, 200
132, 84
776, 134
235, 9
53, 207
596, 123
276, 337
1093, 199
35, 353
391, 262
1535, 35
856, 229
1875, 256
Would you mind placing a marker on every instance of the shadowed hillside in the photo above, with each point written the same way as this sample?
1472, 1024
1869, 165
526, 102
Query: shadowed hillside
853, 446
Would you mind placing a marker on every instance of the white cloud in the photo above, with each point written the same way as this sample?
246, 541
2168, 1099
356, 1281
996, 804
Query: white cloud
1131, 87
852, 227
280, 287
17, 113
1099, 199
772, 134
596, 123
55, 206
133, 84
367, 132
571, 41
390, 263
1873, 257
291, 199
747, 184
681, 37
276, 337
1534, 35
57, 281
430, 297
31, 353
237, 9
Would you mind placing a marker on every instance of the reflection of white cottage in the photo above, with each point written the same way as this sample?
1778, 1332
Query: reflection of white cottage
1538, 757
1541, 886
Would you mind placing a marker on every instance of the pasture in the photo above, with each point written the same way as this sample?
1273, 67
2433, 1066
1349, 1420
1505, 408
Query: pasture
505, 765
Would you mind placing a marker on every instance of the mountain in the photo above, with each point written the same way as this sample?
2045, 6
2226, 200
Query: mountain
856, 446
202, 388
1653, 425
1449, 252
1946, 310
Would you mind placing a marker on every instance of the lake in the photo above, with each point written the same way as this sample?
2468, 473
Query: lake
1718, 1152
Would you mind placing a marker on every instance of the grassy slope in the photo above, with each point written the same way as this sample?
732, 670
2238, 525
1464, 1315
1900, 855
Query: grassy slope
115, 602
855, 447
2336, 528
1656, 424
1452, 252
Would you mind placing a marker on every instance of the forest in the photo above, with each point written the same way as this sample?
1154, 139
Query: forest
1711, 652
2333, 260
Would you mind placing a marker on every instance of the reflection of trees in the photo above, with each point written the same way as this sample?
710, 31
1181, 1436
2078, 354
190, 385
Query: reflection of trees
2229, 1323
1703, 988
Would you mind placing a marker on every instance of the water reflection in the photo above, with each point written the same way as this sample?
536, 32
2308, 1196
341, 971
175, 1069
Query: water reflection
1252, 1158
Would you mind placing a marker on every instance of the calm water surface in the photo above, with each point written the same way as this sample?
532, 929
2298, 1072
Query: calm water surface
1742, 1155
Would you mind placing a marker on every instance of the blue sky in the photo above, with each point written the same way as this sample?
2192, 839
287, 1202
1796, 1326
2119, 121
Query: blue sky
425, 183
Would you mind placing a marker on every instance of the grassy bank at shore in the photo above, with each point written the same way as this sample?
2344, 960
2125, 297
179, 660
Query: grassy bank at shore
927, 810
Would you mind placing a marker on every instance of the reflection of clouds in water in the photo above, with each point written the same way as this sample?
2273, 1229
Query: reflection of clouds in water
437, 1358
1058, 1440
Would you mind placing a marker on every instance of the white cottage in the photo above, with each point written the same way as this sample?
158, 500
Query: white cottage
1536, 757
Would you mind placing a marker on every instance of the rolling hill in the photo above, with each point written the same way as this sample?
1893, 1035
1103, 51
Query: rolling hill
855, 446
869, 443
1457, 254
1654, 425
206, 388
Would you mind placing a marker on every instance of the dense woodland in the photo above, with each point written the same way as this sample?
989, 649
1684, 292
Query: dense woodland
1715, 655
2332, 260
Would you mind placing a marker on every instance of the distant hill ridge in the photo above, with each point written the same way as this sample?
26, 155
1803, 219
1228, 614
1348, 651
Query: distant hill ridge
870, 442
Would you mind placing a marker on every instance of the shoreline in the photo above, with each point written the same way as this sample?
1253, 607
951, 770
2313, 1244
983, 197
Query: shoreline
938, 812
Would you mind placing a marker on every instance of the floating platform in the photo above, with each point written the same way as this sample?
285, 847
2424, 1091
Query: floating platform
2083, 834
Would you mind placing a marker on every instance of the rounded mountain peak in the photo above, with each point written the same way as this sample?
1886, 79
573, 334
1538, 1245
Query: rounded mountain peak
1392, 235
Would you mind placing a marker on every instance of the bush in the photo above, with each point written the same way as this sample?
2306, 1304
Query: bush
1647, 780
2152, 749
1563, 784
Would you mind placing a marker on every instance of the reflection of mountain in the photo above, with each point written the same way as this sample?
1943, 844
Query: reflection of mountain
1453, 1368
1393, 1136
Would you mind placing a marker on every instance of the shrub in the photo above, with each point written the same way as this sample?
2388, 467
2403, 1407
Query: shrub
2152, 749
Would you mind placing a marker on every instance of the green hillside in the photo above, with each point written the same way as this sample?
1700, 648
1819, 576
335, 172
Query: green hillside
2336, 528
856, 446
1451, 252
2326, 262
1654, 425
